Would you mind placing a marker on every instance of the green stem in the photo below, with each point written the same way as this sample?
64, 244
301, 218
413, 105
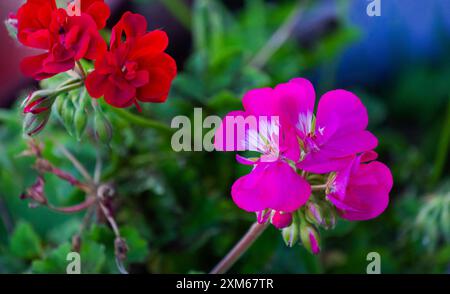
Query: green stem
68, 88
141, 121
442, 151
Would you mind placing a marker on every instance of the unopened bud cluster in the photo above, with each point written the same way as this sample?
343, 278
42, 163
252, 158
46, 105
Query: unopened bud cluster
305, 224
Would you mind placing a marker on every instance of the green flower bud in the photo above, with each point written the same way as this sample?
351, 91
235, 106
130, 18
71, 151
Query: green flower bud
314, 213
320, 213
59, 104
291, 234
68, 113
80, 122
102, 127
329, 216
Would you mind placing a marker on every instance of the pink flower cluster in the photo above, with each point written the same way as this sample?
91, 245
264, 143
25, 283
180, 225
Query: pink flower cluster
333, 142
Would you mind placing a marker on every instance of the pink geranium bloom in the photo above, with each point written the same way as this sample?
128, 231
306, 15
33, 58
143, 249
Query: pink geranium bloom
273, 184
335, 134
361, 190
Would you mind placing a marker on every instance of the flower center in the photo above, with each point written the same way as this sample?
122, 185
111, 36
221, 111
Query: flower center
129, 69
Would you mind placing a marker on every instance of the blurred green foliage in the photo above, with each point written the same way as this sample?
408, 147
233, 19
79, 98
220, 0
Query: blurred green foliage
175, 209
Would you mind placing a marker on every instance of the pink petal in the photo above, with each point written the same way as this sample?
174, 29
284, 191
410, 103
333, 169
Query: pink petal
366, 194
297, 100
261, 102
339, 113
272, 185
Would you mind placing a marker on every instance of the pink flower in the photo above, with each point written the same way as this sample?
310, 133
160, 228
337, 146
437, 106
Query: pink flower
260, 127
274, 183
361, 190
336, 133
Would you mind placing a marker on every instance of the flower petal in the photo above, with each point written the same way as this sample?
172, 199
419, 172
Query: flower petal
273, 185
339, 113
366, 194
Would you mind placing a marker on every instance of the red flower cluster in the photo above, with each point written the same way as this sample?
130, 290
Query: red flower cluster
136, 68
65, 39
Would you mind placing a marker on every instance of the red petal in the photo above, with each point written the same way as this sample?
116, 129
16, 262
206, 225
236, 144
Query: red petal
150, 44
134, 25
33, 67
96, 84
162, 71
99, 11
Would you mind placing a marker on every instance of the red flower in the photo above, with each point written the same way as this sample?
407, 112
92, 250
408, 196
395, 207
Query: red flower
136, 68
66, 39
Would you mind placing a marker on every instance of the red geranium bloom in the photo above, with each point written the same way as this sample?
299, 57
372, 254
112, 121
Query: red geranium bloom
66, 39
136, 68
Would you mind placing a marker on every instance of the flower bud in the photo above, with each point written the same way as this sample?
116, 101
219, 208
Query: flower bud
290, 234
80, 122
102, 127
38, 102
36, 192
35, 123
329, 220
11, 24
281, 219
59, 104
310, 237
314, 213
67, 115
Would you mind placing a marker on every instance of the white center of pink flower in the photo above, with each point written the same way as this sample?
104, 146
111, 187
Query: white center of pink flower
265, 140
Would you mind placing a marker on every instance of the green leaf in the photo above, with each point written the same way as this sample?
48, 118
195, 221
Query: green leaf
53, 263
92, 257
25, 243
138, 247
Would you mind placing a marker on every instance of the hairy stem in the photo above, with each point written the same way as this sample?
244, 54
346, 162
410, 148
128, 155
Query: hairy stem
240, 248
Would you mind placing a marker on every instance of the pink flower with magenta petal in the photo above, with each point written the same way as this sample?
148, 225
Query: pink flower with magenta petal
361, 190
335, 134
274, 183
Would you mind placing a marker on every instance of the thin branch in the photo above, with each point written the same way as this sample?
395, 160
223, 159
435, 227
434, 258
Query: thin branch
240, 248
98, 167
76, 208
76, 163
